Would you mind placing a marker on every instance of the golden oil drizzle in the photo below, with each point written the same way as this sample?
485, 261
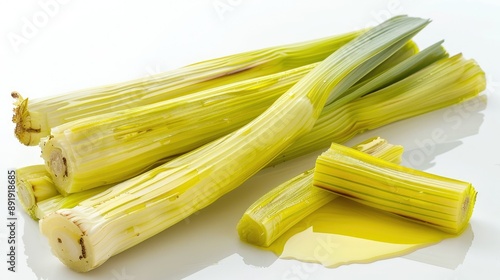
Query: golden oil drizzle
344, 232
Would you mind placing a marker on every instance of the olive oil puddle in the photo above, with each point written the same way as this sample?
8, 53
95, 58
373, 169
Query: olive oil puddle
344, 232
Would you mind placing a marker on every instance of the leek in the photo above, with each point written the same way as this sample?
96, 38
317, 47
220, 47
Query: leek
35, 118
437, 201
444, 83
33, 184
287, 204
87, 235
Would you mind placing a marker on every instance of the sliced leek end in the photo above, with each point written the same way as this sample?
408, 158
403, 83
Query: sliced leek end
467, 208
33, 185
68, 242
57, 166
25, 196
252, 232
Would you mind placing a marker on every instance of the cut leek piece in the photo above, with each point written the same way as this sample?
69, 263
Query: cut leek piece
287, 204
104, 225
33, 184
109, 148
35, 117
437, 201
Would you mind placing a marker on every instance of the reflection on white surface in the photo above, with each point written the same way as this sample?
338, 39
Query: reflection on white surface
88, 43
441, 131
449, 253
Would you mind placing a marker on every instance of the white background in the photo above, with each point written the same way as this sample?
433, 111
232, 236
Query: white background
78, 44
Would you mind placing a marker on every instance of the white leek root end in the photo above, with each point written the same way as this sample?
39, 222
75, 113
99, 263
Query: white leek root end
68, 242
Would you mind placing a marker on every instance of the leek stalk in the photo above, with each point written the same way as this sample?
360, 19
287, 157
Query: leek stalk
446, 82
34, 118
437, 201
